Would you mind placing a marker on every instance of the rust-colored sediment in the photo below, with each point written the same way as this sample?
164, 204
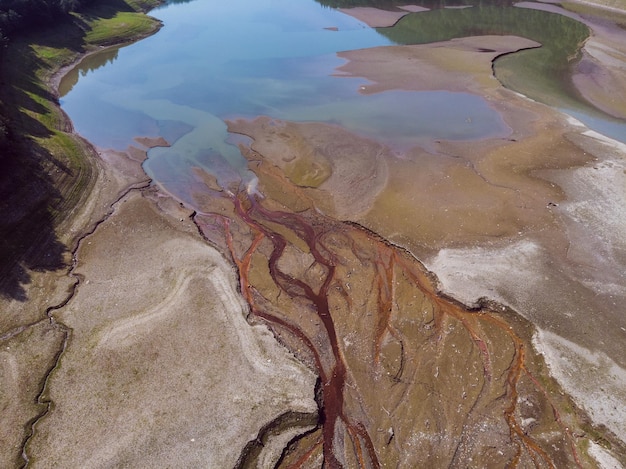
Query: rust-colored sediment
420, 378
407, 376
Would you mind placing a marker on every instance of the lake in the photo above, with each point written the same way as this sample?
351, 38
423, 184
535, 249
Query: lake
212, 62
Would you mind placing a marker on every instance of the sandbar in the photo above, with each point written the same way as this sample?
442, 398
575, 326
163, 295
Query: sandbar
375, 17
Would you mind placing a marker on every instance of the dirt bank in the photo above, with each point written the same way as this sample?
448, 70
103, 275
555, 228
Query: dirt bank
160, 349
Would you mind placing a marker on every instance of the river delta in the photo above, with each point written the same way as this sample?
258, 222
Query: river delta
357, 242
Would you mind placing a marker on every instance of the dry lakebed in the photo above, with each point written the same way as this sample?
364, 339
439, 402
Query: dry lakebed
357, 302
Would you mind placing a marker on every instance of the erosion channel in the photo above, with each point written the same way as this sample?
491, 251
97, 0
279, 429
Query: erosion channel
373, 238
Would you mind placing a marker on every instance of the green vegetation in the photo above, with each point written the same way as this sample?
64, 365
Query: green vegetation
540, 73
45, 170
431, 4
123, 27
21, 16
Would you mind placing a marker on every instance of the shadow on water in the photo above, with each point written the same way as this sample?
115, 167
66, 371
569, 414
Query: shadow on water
30, 201
88, 64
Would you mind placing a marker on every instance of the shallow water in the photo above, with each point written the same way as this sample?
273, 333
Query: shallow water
212, 62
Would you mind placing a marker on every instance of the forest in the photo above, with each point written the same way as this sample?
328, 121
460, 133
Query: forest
44, 168
20, 15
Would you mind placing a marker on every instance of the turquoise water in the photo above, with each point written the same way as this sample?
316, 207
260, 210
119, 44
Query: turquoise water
212, 62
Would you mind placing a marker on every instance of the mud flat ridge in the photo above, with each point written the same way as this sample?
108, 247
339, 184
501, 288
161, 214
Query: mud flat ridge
160, 351
290, 324
407, 377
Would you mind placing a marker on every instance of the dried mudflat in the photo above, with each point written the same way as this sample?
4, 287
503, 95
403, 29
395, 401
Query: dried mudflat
160, 366
146, 358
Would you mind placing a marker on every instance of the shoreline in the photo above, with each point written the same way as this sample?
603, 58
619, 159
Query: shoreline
392, 87
106, 190
120, 197
102, 196
55, 79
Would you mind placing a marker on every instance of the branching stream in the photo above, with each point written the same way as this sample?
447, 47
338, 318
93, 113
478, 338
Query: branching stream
407, 376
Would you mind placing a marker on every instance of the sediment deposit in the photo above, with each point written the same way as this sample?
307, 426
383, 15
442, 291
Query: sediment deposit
289, 323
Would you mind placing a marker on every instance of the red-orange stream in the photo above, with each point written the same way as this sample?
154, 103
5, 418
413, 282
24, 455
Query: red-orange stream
333, 380
388, 266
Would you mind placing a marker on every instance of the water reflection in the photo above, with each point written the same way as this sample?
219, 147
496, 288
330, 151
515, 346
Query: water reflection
543, 73
215, 61
402, 119
88, 64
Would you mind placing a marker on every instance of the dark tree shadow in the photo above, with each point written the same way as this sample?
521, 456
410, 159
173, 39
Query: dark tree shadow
31, 204
27, 233
106, 9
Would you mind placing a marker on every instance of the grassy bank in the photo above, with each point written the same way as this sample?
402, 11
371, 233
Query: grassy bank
45, 170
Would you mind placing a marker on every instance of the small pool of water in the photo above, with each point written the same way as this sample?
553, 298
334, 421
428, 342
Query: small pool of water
543, 73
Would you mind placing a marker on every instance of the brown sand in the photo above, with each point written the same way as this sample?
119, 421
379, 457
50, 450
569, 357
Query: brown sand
320, 156
419, 68
526, 221
600, 73
374, 17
